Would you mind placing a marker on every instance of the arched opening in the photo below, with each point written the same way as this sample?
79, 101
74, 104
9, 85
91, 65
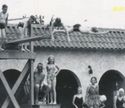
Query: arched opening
67, 85
108, 85
11, 76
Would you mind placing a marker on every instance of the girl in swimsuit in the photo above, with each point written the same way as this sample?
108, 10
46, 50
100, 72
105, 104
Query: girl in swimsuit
52, 71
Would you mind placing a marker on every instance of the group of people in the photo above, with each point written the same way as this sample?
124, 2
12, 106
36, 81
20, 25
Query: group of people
45, 89
45, 83
94, 100
24, 27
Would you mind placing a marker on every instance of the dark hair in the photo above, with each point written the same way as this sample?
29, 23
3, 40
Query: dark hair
76, 27
93, 78
39, 64
20, 24
33, 17
4, 6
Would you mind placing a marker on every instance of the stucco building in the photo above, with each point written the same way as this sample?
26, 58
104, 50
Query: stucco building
103, 51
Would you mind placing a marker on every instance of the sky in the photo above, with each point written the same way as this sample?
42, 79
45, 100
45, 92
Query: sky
100, 13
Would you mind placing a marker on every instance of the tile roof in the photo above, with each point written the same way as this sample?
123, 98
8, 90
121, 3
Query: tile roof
105, 39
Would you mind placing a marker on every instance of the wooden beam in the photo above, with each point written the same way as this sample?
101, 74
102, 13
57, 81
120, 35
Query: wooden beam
14, 19
28, 39
37, 26
32, 69
10, 93
15, 54
32, 81
17, 84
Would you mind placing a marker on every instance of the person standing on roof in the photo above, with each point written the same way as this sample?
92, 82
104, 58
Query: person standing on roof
3, 24
27, 30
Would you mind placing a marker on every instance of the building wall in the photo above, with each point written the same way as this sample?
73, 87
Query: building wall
12, 64
77, 61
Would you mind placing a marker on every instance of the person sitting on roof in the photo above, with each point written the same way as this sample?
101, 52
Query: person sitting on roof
56, 24
3, 24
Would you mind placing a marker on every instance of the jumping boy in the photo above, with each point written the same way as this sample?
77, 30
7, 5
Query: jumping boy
3, 24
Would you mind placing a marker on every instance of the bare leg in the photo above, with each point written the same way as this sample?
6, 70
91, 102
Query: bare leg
51, 93
95, 106
36, 94
22, 48
54, 90
51, 97
2, 39
47, 98
26, 47
50, 100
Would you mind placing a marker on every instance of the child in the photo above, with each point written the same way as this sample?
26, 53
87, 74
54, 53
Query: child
3, 24
78, 99
119, 99
102, 101
52, 71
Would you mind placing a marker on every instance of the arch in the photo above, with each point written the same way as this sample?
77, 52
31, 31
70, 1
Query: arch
67, 85
11, 76
109, 83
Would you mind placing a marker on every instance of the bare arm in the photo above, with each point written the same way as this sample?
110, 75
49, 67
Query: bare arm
41, 81
7, 20
115, 99
86, 96
34, 77
56, 73
73, 101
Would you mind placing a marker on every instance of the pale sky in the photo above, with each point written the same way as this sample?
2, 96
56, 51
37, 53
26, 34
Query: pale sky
101, 13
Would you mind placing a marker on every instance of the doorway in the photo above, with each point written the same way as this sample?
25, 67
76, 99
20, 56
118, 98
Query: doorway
109, 83
67, 85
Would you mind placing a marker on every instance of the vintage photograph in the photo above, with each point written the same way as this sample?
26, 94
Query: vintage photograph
62, 54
